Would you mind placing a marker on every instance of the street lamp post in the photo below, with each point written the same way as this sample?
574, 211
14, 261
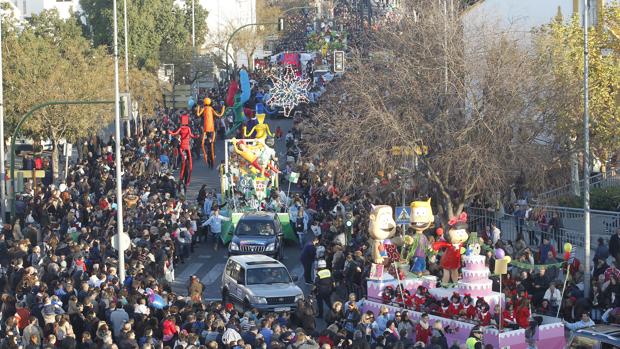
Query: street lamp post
125, 27
2, 160
586, 151
117, 151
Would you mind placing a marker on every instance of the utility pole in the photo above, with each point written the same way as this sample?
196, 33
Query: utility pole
193, 52
127, 65
2, 160
586, 151
117, 151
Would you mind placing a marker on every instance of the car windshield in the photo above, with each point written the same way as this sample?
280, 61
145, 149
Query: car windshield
261, 228
275, 275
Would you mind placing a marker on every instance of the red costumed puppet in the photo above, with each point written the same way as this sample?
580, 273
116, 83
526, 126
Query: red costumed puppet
185, 149
451, 259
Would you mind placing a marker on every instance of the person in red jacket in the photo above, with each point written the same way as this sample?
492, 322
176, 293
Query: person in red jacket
508, 316
455, 305
169, 330
484, 315
444, 309
468, 310
423, 330
419, 298
523, 313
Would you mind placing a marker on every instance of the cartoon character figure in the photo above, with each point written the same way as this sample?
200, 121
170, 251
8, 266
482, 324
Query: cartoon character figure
381, 227
260, 130
208, 131
421, 219
451, 259
252, 154
185, 149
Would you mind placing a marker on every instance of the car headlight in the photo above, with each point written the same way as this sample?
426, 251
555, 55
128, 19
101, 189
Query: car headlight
259, 299
271, 247
234, 246
299, 297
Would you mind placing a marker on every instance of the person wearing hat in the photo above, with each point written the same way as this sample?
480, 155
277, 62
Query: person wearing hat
324, 285
475, 338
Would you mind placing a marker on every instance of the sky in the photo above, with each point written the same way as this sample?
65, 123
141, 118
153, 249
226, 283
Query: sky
522, 15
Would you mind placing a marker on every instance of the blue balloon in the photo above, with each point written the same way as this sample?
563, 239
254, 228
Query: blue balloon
190, 103
246, 89
157, 301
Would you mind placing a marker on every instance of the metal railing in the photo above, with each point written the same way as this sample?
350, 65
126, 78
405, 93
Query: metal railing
602, 223
607, 179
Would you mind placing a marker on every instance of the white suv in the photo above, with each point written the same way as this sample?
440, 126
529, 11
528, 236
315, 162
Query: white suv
261, 282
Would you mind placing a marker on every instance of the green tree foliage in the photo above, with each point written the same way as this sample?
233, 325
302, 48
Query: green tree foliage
49, 59
560, 50
157, 28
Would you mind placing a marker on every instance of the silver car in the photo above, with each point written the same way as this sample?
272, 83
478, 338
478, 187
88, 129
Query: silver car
261, 282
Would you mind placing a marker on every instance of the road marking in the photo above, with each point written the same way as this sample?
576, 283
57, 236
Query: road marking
213, 274
188, 271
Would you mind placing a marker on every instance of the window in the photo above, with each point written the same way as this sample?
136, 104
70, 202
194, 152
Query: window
584, 343
230, 267
276, 275
241, 276
254, 228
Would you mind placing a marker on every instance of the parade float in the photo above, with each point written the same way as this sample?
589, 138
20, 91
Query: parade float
399, 281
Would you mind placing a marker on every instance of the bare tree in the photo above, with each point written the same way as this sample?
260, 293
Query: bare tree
465, 93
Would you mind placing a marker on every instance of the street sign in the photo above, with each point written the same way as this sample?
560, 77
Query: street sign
403, 213
293, 177
125, 241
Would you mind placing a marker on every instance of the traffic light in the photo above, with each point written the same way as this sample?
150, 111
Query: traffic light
338, 61
280, 24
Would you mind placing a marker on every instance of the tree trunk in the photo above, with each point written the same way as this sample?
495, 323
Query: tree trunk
55, 159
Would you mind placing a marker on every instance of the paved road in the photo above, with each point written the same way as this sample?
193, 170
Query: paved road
208, 264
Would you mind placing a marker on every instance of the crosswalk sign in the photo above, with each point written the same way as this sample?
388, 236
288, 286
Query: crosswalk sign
403, 214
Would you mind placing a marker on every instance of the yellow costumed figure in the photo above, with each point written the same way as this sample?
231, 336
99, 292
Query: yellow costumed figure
253, 154
262, 129
207, 113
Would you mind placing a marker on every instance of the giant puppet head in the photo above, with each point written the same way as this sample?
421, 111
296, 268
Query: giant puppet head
421, 215
381, 226
184, 119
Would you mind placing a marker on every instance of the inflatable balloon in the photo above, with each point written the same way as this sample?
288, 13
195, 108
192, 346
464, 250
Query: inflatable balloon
568, 247
508, 259
439, 231
157, 301
499, 253
246, 89
566, 256
232, 91
190, 103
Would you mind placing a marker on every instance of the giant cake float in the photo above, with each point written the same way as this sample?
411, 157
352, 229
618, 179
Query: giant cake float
473, 280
